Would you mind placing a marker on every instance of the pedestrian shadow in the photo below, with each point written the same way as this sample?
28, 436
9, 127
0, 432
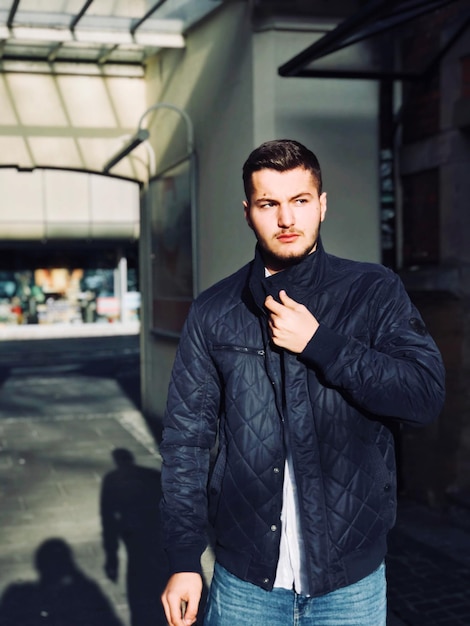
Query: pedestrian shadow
62, 596
130, 513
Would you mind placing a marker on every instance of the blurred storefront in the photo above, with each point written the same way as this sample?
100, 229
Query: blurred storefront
69, 251
60, 295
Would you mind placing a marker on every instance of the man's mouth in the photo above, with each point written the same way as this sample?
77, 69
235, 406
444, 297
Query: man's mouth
288, 237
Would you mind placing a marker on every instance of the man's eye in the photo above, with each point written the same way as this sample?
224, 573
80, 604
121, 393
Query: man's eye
267, 205
301, 200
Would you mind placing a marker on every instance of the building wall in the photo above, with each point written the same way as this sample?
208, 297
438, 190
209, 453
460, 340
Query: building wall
227, 81
212, 82
338, 120
45, 204
437, 460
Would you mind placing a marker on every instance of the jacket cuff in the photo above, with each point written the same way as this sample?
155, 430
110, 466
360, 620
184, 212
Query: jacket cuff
187, 560
323, 347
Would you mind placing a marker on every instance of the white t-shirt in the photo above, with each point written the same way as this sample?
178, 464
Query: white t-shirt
289, 566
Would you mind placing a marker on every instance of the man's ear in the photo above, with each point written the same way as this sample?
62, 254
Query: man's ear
246, 208
323, 206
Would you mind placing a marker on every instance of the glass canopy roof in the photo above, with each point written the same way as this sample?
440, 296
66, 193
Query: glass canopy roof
68, 69
95, 31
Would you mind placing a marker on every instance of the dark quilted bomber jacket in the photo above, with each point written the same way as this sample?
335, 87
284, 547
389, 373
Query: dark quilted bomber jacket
370, 362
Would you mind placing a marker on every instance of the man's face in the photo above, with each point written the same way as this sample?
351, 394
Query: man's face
285, 213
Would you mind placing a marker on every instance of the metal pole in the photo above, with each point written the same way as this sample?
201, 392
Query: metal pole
184, 115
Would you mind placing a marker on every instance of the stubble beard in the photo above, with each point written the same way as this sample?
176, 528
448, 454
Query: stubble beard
279, 262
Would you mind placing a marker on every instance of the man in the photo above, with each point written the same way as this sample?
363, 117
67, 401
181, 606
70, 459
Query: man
296, 365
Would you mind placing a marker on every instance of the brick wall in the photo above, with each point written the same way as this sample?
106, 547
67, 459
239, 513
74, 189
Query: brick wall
435, 459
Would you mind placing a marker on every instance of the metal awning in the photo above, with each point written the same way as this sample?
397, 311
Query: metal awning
95, 31
362, 46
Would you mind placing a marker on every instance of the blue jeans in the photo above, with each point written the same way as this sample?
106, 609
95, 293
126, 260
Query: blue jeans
233, 602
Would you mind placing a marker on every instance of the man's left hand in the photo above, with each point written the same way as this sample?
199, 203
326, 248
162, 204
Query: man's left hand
291, 323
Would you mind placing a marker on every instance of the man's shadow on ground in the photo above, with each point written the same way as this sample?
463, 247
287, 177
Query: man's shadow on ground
62, 596
130, 498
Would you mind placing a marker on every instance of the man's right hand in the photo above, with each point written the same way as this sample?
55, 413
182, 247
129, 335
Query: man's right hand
181, 598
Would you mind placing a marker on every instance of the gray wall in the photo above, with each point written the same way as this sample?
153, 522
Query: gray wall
337, 119
212, 82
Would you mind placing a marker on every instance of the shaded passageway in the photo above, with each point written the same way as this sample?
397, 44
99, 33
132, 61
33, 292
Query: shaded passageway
65, 405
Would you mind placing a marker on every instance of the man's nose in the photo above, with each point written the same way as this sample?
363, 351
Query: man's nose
285, 216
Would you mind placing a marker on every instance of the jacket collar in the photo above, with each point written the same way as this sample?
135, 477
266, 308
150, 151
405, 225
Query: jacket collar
299, 281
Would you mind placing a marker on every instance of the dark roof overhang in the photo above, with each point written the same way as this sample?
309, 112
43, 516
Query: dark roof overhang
380, 23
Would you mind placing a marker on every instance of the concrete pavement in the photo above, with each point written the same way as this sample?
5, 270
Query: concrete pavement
61, 415
65, 405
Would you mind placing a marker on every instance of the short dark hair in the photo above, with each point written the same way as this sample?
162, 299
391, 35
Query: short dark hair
281, 155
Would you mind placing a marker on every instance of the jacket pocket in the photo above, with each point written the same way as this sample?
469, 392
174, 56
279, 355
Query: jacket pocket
240, 349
